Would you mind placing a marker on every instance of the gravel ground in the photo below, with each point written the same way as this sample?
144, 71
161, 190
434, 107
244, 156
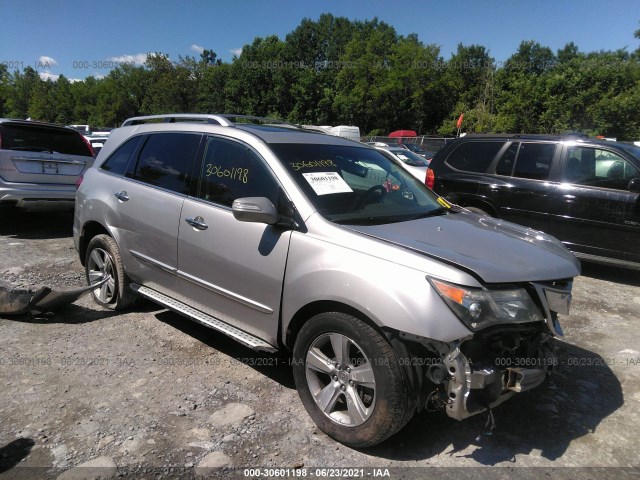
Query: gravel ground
148, 394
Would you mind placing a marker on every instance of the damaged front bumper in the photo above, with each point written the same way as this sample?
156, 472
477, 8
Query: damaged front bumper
474, 388
18, 301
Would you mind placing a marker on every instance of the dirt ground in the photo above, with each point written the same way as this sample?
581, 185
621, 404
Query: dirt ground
148, 394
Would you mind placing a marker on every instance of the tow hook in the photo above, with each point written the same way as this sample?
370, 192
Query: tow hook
523, 379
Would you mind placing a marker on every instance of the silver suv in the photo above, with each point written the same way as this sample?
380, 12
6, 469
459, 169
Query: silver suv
389, 299
40, 163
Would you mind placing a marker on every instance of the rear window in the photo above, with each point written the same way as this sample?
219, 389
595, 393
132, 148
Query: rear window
474, 156
32, 138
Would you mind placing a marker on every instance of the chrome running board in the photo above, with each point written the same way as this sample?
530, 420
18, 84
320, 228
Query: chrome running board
203, 318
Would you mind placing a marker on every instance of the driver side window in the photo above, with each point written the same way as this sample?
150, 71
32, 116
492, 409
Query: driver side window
232, 170
598, 168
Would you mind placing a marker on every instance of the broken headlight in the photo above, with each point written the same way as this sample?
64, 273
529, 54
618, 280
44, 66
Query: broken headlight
480, 308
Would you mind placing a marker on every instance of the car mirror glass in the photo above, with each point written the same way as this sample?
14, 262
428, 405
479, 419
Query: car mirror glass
634, 185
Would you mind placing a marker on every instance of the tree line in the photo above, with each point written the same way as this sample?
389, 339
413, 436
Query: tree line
335, 71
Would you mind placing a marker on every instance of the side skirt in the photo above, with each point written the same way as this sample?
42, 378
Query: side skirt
205, 319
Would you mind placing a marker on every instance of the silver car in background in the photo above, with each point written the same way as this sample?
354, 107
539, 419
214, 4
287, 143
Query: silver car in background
415, 164
388, 299
40, 163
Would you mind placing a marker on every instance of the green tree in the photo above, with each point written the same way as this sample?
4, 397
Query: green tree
62, 102
362, 90
19, 94
312, 55
521, 89
5, 87
469, 80
41, 103
85, 98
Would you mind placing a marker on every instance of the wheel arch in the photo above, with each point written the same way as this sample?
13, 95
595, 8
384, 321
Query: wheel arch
89, 231
478, 202
309, 310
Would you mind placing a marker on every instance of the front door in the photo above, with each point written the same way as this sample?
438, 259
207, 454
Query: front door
595, 213
229, 269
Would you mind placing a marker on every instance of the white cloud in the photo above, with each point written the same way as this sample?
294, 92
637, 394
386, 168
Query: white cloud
236, 51
47, 61
138, 59
197, 48
98, 77
47, 75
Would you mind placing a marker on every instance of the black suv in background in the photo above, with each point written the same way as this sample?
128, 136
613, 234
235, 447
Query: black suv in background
583, 191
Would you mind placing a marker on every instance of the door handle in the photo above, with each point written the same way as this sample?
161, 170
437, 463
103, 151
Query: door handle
122, 196
197, 223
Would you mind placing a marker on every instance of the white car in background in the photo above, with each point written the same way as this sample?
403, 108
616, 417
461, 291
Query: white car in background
412, 162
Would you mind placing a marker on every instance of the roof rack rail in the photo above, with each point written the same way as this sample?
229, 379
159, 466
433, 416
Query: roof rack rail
225, 120
180, 117
540, 136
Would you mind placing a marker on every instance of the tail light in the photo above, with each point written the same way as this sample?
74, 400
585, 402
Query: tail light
79, 181
88, 144
430, 180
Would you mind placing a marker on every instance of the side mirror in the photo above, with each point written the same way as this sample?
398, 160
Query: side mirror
255, 210
634, 185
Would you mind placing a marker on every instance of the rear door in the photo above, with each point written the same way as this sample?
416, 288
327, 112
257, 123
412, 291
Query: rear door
462, 179
233, 270
595, 213
148, 204
42, 154
523, 185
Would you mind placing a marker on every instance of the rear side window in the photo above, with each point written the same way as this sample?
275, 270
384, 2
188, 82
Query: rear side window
474, 156
118, 161
35, 138
508, 160
166, 161
534, 160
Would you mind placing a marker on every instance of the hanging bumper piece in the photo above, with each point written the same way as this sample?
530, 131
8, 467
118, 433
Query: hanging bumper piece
18, 301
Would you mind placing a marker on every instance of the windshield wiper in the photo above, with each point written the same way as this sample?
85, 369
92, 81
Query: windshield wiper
432, 213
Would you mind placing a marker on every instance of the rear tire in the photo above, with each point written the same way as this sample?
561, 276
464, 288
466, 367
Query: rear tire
103, 258
349, 380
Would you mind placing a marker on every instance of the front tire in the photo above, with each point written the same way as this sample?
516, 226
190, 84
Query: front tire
349, 380
103, 259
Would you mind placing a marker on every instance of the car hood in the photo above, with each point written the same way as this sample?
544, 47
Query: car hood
494, 250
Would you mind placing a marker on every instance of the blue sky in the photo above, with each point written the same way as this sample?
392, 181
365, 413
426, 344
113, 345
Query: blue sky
54, 36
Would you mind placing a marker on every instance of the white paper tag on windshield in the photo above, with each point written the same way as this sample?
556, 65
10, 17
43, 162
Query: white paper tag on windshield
324, 183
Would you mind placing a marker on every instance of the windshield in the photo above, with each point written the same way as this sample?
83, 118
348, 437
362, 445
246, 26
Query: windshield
356, 185
632, 149
413, 148
410, 158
